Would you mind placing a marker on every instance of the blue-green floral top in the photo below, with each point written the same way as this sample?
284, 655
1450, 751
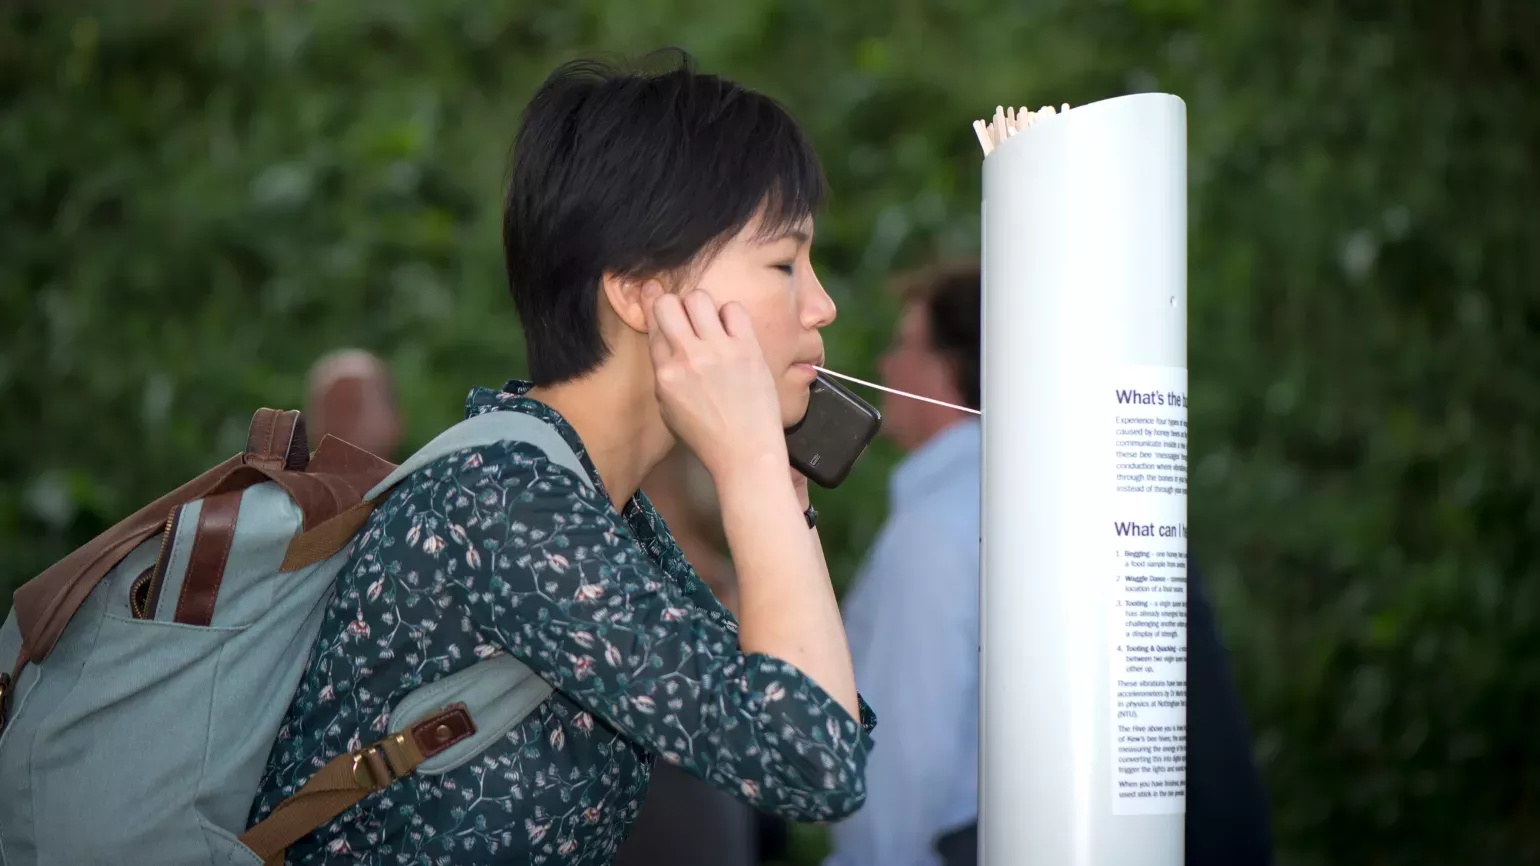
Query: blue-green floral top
462, 562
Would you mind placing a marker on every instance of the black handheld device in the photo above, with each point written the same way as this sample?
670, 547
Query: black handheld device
833, 434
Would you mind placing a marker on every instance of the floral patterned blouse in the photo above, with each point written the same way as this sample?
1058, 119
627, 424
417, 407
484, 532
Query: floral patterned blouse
457, 565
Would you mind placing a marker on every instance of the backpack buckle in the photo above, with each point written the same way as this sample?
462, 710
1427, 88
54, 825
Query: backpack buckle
376, 767
370, 770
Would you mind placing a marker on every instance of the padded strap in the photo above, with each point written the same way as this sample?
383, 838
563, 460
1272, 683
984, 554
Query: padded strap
328, 538
500, 692
324, 541
486, 429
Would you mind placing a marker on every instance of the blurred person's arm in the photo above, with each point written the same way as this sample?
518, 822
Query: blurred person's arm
1227, 820
913, 631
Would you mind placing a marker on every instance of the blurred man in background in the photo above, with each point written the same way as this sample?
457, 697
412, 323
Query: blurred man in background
912, 613
913, 622
351, 396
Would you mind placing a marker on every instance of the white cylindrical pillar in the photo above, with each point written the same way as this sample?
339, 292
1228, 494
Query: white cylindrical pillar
1084, 618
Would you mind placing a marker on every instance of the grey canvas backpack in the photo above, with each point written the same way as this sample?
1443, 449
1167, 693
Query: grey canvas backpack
154, 666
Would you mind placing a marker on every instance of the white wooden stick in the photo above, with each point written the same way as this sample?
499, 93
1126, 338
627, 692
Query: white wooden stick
982, 132
1008, 122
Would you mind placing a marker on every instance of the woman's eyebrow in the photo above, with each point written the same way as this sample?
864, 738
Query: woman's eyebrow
801, 236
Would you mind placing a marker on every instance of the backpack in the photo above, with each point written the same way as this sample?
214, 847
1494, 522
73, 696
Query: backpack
154, 665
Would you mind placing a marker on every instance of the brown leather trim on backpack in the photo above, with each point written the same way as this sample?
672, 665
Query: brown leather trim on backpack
206, 563
7, 684
309, 548
276, 440
319, 497
45, 604
350, 777
335, 480
337, 458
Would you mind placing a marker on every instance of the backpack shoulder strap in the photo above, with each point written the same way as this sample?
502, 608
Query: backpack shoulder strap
486, 429
331, 537
512, 687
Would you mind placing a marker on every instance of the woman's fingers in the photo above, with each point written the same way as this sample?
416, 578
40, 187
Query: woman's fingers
657, 344
671, 320
693, 330
658, 348
704, 315
711, 381
737, 322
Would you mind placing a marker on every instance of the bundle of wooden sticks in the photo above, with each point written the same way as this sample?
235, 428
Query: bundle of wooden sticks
1009, 121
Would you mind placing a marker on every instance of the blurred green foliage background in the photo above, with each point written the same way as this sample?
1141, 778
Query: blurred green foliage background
197, 199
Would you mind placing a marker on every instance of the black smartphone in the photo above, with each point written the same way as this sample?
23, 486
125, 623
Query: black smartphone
833, 434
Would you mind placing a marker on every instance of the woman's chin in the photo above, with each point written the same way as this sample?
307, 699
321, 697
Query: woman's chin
793, 410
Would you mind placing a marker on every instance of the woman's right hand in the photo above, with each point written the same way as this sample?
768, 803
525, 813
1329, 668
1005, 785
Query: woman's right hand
713, 386
719, 396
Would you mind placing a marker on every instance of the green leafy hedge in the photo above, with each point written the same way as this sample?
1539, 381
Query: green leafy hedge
197, 199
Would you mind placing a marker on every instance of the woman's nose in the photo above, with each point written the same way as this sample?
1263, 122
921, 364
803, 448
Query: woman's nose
818, 310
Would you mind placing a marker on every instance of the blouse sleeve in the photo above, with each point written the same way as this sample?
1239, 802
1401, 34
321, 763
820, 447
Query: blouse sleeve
550, 572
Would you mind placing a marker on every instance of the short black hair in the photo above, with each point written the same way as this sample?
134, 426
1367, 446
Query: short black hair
950, 295
637, 173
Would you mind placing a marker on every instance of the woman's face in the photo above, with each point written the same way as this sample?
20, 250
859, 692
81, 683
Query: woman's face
773, 278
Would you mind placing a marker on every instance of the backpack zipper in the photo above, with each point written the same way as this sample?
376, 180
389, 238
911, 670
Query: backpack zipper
145, 591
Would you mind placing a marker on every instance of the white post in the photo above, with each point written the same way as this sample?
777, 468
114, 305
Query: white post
1084, 616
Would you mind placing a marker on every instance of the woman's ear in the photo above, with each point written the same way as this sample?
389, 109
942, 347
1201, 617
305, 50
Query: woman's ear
626, 297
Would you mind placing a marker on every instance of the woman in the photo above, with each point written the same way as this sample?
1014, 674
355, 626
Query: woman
656, 235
